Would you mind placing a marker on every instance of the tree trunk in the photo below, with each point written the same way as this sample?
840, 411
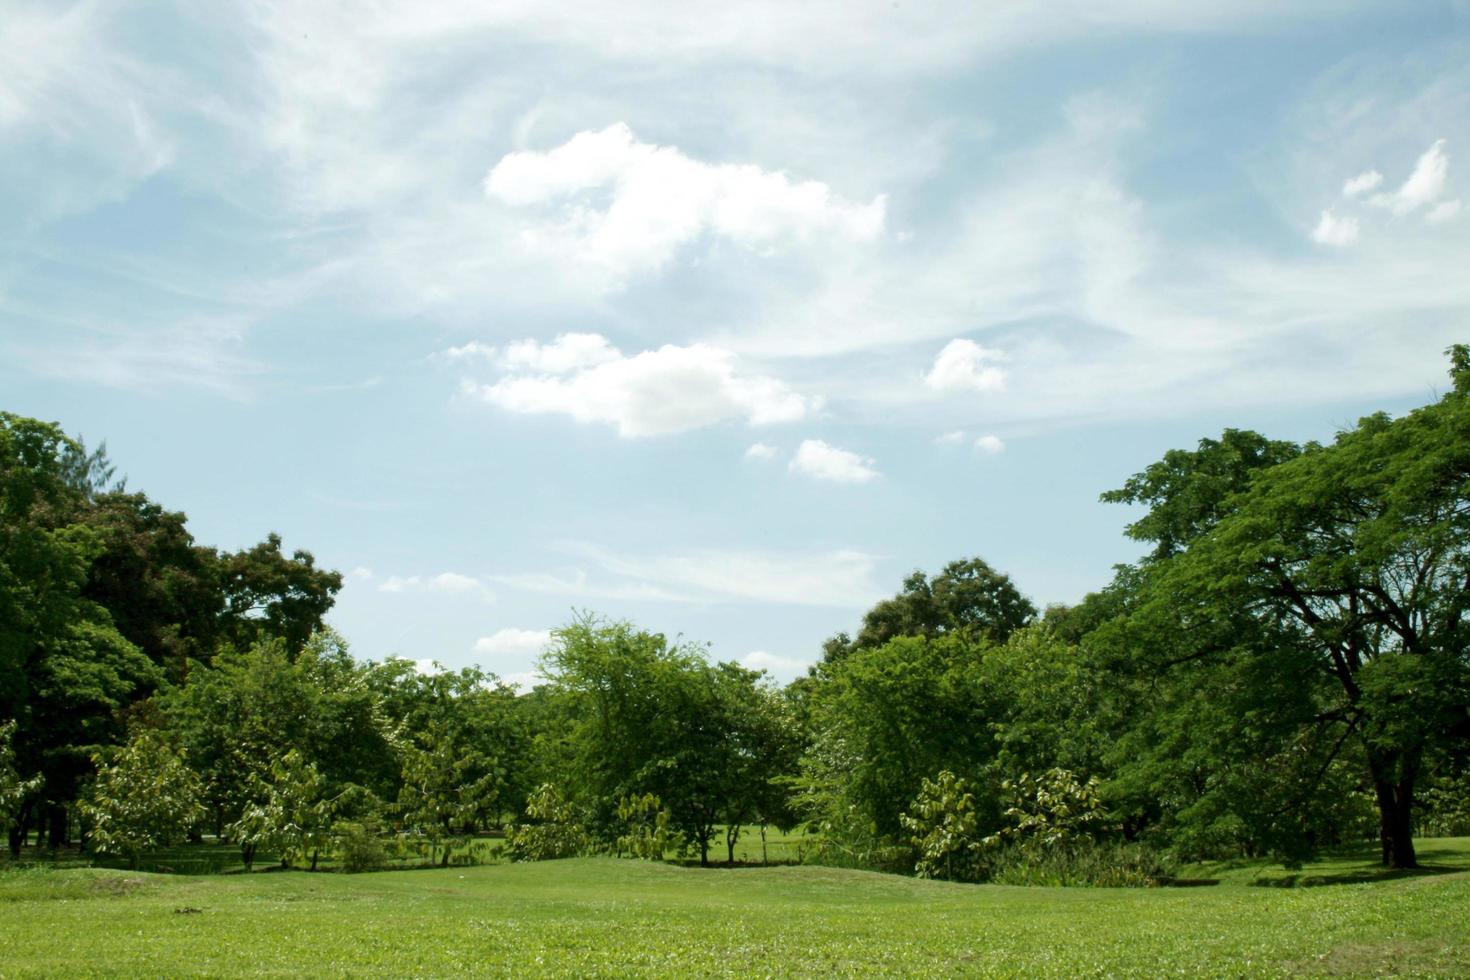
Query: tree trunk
56, 825
704, 851
1395, 811
732, 835
313, 859
765, 858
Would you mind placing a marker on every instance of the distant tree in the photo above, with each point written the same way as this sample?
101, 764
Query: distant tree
161, 589
144, 797
266, 592
967, 596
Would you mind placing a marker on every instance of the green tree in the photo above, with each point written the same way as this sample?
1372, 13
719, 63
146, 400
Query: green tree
1354, 557
13, 787
447, 788
944, 829
266, 592
295, 814
552, 830
967, 596
144, 797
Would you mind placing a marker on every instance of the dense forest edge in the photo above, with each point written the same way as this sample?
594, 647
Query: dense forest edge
1285, 672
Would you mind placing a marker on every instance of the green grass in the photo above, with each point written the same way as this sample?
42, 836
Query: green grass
607, 917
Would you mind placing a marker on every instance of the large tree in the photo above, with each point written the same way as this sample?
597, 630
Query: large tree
1355, 555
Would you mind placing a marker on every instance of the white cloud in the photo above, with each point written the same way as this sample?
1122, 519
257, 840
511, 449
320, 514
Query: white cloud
658, 392
450, 583
990, 444
1424, 185
524, 680
841, 578
513, 641
470, 351
1335, 231
575, 583
1443, 211
782, 668
1362, 183
658, 200
820, 461
965, 364
760, 450
361, 573
953, 438
567, 353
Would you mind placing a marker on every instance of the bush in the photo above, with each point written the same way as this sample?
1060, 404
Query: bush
1080, 864
359, 848
556, 833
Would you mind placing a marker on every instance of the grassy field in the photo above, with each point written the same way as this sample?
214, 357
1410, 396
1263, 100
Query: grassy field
607, 917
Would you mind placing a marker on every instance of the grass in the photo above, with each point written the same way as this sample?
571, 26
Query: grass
601, 916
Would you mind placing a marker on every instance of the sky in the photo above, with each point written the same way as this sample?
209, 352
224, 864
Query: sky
720, 318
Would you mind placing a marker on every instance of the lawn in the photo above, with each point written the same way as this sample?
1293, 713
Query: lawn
601, 916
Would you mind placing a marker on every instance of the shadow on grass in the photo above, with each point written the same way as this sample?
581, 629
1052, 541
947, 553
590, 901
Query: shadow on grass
1432, 862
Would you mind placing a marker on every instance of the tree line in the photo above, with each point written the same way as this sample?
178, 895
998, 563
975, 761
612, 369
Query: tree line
1286, 669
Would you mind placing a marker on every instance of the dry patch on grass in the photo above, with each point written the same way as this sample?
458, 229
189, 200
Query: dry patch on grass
1399, 958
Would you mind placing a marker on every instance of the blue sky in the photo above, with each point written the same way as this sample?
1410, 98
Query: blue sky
718, 317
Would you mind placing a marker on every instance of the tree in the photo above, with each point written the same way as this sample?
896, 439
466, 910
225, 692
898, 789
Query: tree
944, 827
13, 788
446, 788
162, 589
966, 596
284, 597
1356, 555
294, 816
553, 830
144, 797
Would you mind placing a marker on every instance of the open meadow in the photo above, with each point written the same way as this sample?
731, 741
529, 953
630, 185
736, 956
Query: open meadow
602, 916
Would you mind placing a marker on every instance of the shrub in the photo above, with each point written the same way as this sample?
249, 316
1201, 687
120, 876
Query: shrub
359, 847
1081, 863
555, 832
945, 829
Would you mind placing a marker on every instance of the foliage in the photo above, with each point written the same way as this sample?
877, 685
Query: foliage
1347, 566
13, 787
359, 846
144, 796
645, 824
553, 830
967, 596
1052, 810
1082, 863
945, 830
294, 815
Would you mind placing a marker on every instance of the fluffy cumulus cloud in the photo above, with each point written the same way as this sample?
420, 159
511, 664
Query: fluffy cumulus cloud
952, 438
628, 205
449, 583
1335, 231
965, 365
513, 641
657, 392
818, 460
760, 450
